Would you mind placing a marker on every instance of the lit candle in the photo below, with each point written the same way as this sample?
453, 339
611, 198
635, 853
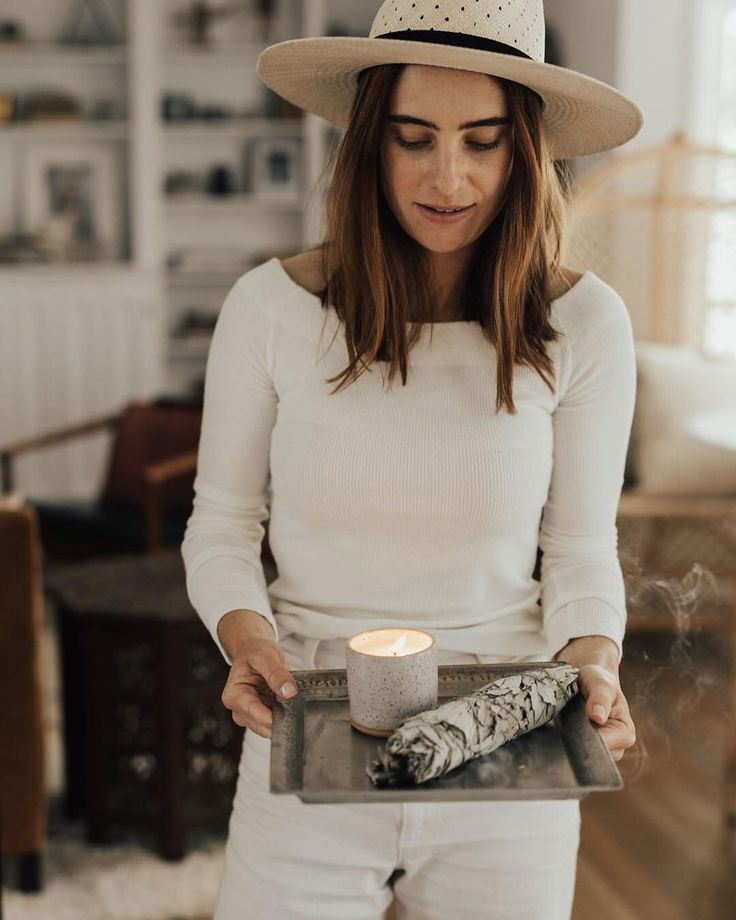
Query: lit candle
391, 675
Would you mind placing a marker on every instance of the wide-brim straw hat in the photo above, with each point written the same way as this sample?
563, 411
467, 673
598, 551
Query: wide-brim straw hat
503, 38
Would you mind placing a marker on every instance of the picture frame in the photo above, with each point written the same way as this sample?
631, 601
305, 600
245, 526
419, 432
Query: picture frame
274, 167
72, 202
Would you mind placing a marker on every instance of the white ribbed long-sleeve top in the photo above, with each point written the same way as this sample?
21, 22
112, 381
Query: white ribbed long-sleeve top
413, 505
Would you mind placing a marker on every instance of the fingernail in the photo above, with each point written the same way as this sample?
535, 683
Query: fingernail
288, 690
599, 711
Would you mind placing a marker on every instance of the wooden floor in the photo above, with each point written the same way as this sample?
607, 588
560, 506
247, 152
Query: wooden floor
659, 848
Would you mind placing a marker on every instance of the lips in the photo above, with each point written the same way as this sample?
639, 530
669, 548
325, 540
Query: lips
448, 218
447, 207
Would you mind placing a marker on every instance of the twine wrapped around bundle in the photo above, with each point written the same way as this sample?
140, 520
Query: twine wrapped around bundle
431, 743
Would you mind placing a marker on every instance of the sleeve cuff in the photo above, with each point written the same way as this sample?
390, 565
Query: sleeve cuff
589, 617
234, 601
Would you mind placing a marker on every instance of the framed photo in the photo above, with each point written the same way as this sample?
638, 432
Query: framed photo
71, 200
274, 166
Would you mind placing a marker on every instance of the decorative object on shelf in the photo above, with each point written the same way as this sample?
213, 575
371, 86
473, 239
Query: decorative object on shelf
181, 107
90, 23
23, 249
178, 107
201, 16
221, 181
70, 201
7, 105
273, 166
54, 106
181, 181
47, 105
212, 112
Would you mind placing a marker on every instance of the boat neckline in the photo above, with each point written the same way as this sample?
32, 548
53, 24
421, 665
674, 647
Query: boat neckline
455, 323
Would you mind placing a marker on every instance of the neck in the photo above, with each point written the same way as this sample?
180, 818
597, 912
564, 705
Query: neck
448, 271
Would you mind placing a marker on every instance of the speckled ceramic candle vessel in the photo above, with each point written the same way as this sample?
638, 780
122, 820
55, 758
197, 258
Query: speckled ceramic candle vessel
384, 689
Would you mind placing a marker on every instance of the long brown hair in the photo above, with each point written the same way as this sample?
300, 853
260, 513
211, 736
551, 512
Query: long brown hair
374, 270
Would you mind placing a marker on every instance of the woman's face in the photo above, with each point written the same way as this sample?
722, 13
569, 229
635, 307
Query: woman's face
448, 165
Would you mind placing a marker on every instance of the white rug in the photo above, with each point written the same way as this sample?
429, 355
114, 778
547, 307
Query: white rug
123, 882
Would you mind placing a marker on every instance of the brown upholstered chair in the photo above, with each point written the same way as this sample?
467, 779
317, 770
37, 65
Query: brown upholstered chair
22, 767
148, 489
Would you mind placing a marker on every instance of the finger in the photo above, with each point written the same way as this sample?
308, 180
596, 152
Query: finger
246, 704
601, 692
618, 737
259, 726
269, 662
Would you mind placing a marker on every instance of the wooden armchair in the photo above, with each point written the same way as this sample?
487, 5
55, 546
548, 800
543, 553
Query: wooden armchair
148, 490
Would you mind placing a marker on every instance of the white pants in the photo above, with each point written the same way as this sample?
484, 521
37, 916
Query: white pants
287, 860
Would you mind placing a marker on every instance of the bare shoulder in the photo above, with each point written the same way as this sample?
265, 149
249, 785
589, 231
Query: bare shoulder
305, 269
562, 285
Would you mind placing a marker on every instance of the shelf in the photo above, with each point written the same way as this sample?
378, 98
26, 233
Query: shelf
231, 204
235, 127
65, 130
225, 52
55, 53
217, 238
68, 270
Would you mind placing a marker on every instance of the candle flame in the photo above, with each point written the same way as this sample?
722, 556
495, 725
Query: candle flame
398, 646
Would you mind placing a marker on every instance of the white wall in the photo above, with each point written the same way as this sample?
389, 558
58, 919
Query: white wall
655, 63
587, 30
648, 49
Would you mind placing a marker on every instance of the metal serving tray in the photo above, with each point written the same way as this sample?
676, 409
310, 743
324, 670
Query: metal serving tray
318, 755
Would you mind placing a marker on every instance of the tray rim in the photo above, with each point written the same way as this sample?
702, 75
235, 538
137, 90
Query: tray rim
325, 684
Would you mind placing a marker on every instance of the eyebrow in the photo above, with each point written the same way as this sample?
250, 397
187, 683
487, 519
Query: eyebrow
483, 122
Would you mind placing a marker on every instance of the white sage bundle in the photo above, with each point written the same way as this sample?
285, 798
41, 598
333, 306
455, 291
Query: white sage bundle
431, 743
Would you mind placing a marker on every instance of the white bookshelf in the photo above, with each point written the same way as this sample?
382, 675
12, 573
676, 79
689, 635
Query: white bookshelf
79, 339
155, 57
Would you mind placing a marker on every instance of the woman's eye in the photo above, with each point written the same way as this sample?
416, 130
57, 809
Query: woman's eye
416, 145
491, 146
410, 145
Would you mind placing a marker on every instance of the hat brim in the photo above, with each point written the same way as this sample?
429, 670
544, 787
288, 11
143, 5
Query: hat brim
582, 115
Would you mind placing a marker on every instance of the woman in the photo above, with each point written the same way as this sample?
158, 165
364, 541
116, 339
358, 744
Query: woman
420, 503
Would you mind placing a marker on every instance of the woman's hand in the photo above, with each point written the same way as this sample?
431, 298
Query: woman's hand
596, 657
258, 674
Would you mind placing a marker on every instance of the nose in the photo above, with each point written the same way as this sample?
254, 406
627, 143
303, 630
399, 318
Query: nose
448, 168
